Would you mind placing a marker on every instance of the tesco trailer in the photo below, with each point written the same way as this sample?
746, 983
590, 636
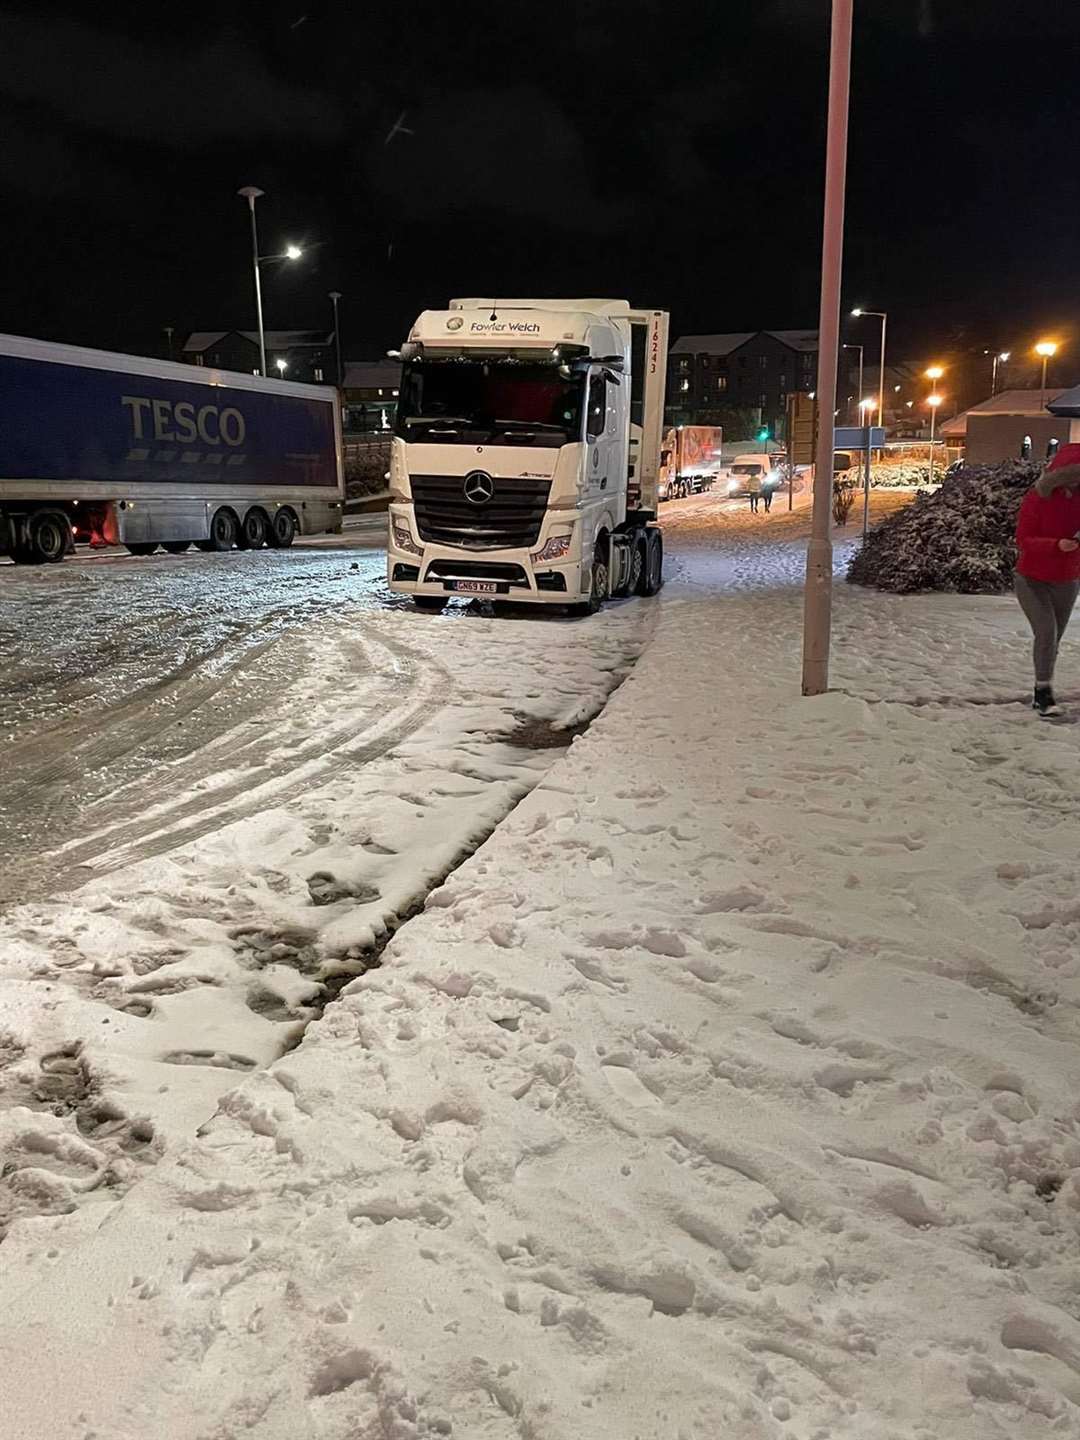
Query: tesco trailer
116, 449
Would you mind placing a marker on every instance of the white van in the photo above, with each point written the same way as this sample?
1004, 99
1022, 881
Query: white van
751, 474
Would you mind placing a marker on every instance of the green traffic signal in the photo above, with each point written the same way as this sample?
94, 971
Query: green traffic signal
763, 434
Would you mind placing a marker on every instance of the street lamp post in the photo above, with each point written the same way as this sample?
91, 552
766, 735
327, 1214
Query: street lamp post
817, 620
251, 193
335, 296
866, 408
1001, 357
933, 401
860, 349
934, 374
1046, 349
883, 317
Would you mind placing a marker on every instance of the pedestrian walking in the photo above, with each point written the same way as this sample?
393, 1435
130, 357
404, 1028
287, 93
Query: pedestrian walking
767, 491
753, 491
1048, 567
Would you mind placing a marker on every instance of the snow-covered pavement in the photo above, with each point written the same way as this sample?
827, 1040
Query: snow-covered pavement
729, 1089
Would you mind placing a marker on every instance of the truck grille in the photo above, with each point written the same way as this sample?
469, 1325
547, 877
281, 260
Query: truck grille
510, 520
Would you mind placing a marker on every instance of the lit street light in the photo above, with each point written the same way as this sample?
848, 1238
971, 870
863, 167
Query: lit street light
933, 401
251, 193
282, 366
860, 349
934, 374
1047, 349
1001, 357
883, 317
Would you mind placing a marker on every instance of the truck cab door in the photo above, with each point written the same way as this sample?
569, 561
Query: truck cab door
601, 459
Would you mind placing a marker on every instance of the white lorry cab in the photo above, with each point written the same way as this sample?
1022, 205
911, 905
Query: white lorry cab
526, 453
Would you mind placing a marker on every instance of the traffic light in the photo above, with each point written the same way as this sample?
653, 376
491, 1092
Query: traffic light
763, 433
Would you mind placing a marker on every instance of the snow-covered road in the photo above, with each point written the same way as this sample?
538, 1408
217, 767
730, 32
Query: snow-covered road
729, 1089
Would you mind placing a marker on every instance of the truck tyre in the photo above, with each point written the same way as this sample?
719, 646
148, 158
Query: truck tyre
48, 537
598, 589
430, 603
653, 576
252, 532
176, 547
281, 531
638, 562
223, 529
141, 547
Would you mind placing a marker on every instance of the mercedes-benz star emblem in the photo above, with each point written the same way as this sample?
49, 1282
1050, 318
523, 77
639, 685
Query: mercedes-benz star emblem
479, 488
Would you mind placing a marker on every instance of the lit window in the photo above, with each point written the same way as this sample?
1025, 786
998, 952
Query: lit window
684, 386
684, 364
200, 361
721, 382
318, 375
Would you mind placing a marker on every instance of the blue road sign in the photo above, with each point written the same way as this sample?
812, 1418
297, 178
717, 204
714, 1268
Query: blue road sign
854, 437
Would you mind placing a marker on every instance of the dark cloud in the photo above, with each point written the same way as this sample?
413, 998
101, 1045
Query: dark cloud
178, 94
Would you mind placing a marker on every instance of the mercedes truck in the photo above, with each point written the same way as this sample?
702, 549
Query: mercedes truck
111, 449
526, 453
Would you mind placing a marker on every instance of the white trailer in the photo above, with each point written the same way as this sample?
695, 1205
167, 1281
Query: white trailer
119, 449
526, 453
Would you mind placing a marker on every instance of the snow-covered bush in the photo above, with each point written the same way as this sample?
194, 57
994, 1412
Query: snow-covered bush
906, 474
958, 538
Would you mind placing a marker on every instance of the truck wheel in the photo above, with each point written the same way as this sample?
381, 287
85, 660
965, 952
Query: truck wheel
282, 530
49, 538
176, 547
431, 603
252, 533
598, 590
653, 576
638, 562
222, 531
141, 547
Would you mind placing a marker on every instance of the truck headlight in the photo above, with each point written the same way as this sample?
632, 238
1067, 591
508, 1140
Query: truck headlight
554, 549
404, 541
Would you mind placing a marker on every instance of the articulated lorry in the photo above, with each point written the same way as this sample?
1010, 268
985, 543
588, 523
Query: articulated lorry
526, 453
115, 449
690, 460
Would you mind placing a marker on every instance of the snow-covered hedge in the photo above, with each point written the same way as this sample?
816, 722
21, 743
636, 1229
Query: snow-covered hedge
958, 538
909, 474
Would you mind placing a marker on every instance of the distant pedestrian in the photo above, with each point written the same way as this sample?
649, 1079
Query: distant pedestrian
766, 495
1048, 568
753, 491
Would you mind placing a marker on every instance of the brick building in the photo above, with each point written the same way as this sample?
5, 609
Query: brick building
710, 376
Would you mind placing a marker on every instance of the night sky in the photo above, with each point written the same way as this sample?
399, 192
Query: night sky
670, 153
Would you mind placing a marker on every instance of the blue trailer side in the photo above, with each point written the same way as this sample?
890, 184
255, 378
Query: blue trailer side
127, 450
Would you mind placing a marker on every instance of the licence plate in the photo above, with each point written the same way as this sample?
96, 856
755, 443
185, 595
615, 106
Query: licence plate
476, 587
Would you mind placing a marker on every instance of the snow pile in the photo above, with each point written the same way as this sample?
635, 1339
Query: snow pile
728, 1090
959, 538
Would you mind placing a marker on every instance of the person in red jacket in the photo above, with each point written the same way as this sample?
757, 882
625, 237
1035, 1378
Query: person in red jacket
1048, 567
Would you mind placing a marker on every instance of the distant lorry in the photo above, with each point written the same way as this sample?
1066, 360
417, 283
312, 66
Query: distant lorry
690, 460
116, 449
526, 453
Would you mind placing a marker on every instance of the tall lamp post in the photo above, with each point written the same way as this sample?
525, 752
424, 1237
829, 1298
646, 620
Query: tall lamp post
1001, 357
883, 317
251, 193
934, 374
1047, 349
860, 349
335, 296
933, 400
817, 617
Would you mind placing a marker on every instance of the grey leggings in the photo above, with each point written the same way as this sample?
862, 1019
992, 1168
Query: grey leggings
1047, 605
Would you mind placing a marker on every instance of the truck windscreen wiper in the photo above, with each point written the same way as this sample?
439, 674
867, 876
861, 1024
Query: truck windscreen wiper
528, 425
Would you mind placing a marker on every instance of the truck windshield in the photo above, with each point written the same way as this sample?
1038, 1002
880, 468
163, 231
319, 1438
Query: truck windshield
474, 402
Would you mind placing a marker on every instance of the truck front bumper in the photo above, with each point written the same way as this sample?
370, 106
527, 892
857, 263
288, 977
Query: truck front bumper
536, 575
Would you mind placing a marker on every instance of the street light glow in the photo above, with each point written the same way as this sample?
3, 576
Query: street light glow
935, 399
868, 404
934, 372
293, 252
1004, 355
1046, 348
282, 366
